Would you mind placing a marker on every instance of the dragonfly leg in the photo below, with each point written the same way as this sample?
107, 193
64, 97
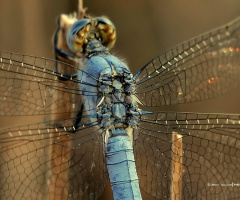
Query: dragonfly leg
78, 118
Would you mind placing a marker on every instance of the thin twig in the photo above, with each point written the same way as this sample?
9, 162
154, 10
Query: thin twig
81, 10
80, 6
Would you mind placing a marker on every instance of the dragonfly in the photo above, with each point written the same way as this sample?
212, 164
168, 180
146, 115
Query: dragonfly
87, 103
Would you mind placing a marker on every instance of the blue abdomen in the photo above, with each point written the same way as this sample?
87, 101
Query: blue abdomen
121, 166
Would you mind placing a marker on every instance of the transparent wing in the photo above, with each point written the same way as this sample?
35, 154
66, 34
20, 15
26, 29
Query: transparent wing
32, 86
44, 161
188, 155
199, 69
53, 159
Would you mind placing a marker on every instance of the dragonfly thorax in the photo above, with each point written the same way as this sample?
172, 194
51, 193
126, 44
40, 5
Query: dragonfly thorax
117, 107
95, 47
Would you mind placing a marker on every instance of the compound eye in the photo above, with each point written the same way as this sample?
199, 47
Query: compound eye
107, 32
77, 33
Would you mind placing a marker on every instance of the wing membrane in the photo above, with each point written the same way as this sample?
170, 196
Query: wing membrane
199, 69
45, 161
191, 155
32, 86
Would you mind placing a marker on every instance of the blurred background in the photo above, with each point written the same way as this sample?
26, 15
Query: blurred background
144, 30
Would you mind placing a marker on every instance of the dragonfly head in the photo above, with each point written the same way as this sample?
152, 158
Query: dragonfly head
85, 31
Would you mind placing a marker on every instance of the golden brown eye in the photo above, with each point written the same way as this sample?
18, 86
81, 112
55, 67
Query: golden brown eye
107, 32
77, 34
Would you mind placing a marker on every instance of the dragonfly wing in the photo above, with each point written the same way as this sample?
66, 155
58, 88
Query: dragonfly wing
188, 155
43, 161
198, 69
32, 86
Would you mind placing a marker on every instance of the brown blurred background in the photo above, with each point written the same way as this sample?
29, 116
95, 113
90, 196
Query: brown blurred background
144, 30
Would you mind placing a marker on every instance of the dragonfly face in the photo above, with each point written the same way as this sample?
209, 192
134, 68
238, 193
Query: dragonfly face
86, 30
177, 154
